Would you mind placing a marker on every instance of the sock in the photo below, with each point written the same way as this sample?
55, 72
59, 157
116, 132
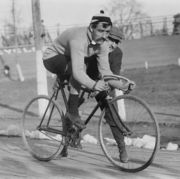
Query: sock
73, 102
119, 138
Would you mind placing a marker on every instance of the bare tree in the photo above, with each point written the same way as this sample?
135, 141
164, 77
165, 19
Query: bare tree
128, 16
12, 31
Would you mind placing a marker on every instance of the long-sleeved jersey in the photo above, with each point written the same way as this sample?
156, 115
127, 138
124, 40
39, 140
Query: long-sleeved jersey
76, 44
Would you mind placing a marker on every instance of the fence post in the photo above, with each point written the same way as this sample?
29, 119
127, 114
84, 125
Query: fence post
146, 65
141, 29
178, 61
18, 67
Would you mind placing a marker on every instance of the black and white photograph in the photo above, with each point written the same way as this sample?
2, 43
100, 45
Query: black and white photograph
89, 89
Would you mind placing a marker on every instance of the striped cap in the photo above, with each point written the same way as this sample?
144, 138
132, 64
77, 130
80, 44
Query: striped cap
101, 18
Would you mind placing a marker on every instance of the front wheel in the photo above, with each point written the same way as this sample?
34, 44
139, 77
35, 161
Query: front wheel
143, 140
42, 128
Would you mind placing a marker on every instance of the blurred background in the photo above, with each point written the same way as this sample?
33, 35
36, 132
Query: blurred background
157, 20
135, 18
151, 50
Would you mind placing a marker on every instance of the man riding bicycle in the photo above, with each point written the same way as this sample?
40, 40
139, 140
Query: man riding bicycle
69, 52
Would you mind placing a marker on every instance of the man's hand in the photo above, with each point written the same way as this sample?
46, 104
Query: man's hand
122, 86
101, 85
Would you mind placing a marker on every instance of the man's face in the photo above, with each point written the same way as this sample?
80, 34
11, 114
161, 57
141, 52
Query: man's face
101, 32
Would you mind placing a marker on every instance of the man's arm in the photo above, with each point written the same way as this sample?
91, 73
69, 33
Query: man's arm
78, 66
103, 60
115, 60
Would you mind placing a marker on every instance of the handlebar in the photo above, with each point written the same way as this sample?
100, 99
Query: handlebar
115, 77
121, 82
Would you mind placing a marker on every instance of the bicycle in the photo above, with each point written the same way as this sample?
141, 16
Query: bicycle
44, 135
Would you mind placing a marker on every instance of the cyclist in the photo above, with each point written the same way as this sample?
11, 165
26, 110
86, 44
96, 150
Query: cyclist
68, 53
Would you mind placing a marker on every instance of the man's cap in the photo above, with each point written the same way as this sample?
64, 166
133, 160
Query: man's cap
116, 34
101, 17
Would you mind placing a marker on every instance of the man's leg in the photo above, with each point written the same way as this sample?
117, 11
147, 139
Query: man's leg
118, 136
76, 142
71, 117
73, 112
68, 128
73, 104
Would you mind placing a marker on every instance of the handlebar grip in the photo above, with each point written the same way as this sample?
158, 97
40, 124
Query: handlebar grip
120, 82
116, 77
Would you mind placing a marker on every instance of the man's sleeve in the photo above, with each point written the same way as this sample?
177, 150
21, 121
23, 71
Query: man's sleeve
78, 66
103, 60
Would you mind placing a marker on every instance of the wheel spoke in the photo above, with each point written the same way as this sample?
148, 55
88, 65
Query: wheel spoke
143, 141
43, 137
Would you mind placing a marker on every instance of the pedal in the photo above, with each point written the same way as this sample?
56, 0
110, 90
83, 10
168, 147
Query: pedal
127, 133
74, 137
72, 130
76, 142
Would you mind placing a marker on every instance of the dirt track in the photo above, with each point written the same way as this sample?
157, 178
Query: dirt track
15, 162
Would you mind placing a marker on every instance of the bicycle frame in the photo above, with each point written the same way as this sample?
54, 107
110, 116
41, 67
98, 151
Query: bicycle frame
54, 121
102, 103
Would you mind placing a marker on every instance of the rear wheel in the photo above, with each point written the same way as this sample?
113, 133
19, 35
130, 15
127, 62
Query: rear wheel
142, 144
44, 139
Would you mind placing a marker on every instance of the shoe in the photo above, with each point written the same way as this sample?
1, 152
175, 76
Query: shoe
76, 120
64, 152
76, 143
123, 156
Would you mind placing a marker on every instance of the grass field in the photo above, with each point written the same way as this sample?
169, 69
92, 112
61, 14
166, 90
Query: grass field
159, 86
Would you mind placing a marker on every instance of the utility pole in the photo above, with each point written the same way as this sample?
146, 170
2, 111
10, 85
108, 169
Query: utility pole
41, 72
21, 77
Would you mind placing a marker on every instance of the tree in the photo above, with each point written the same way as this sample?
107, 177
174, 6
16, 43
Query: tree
176, 22
14, 33
127, 15
11, 30
165, 28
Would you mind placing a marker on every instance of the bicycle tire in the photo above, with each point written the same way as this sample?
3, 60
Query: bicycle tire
139, 118
41, 143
